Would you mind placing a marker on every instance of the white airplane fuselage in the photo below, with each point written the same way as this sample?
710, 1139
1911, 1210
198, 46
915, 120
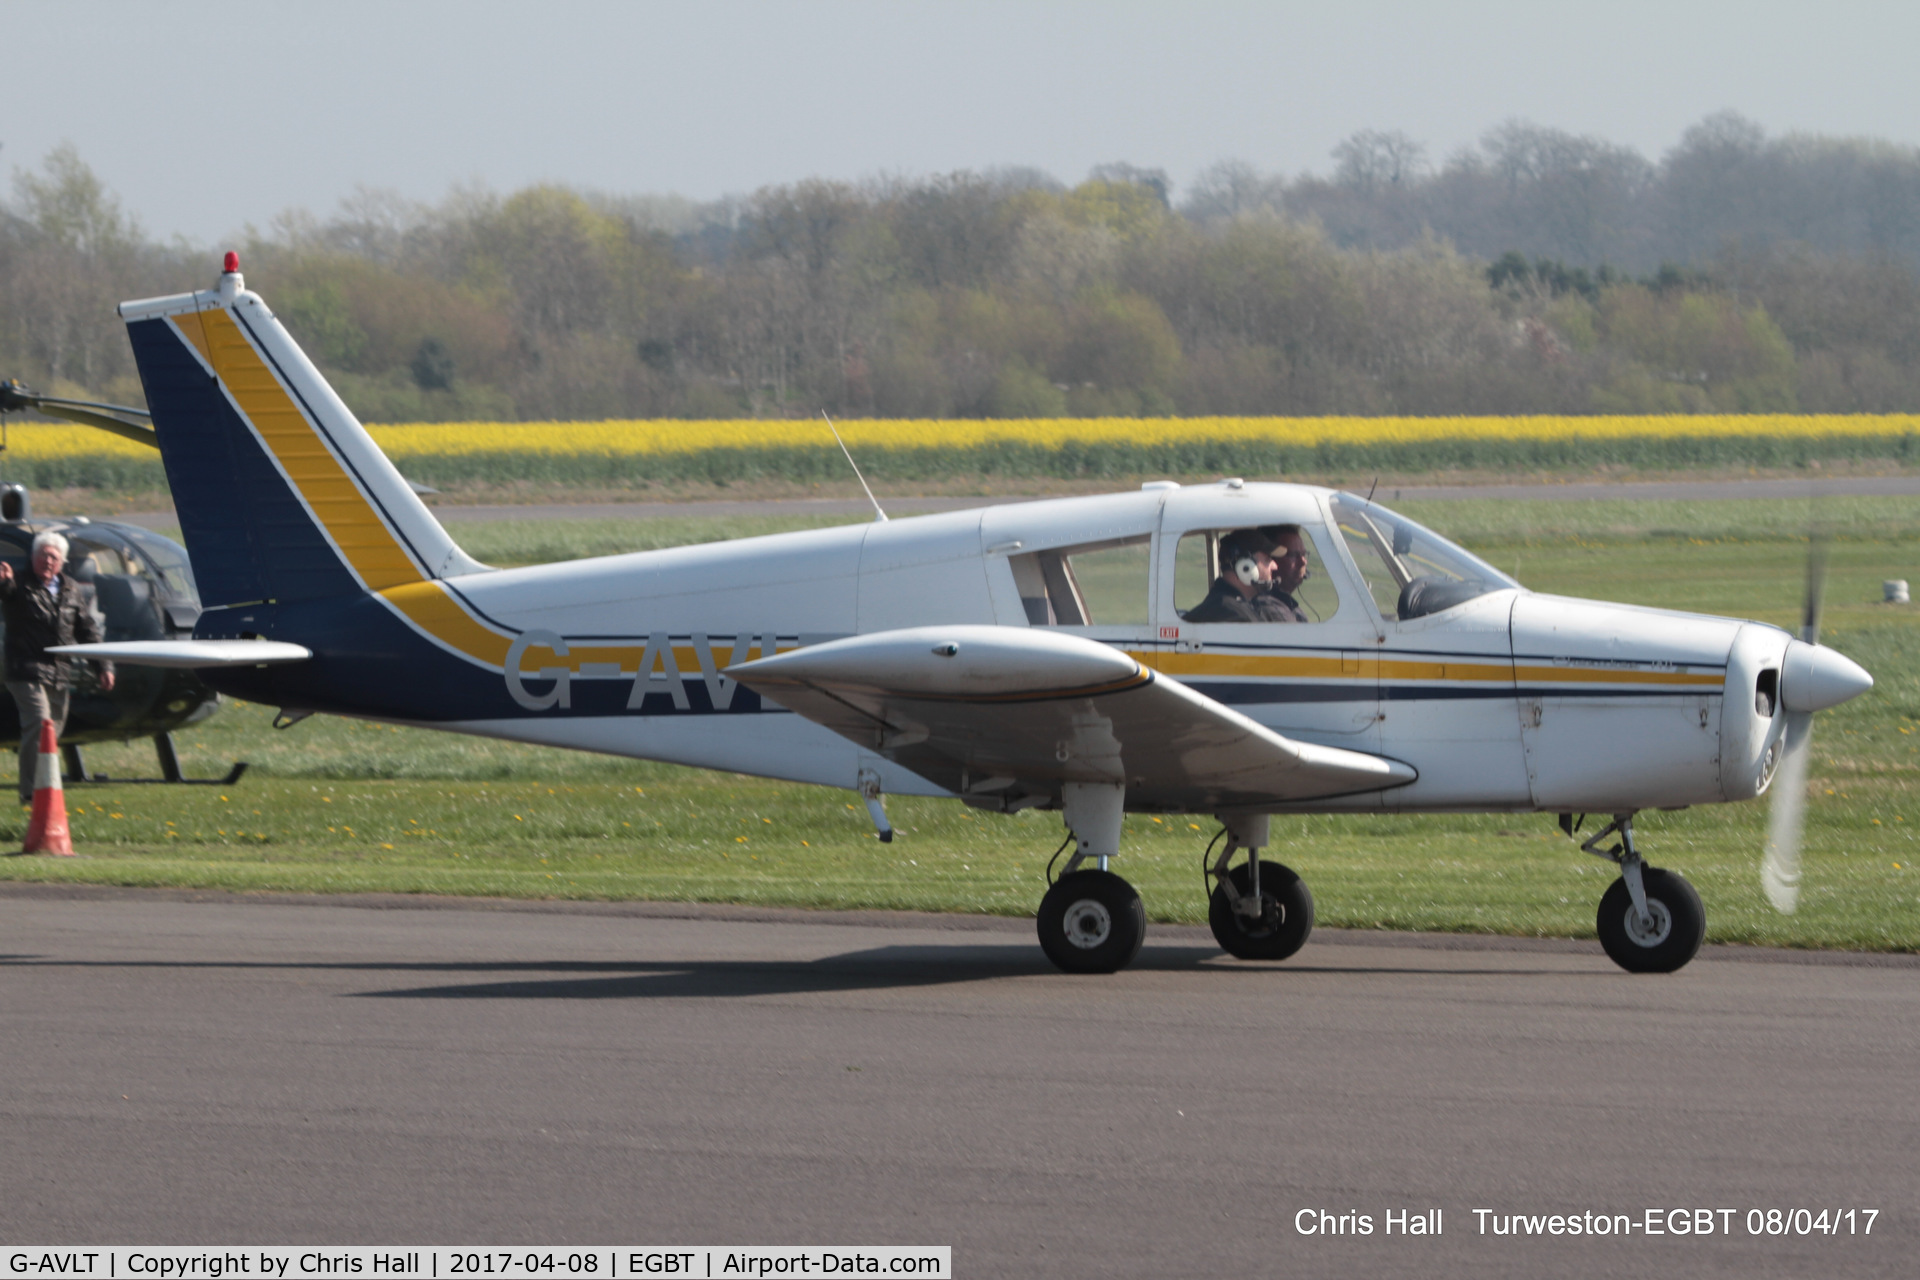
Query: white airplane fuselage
1509, 702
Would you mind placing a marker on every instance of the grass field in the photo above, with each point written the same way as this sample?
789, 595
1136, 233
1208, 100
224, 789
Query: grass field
341, 806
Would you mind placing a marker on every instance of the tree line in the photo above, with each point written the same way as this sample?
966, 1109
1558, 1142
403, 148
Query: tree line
1537, 272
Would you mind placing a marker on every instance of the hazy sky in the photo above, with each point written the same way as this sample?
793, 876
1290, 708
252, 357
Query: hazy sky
204, 115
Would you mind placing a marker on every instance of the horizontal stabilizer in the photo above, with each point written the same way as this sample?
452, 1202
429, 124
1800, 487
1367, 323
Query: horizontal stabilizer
1005, 715
189, 653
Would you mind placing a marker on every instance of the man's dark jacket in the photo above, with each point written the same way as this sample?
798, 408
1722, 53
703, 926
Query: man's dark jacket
1224, 604
37, 621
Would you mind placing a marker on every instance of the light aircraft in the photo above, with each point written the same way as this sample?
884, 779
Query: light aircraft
1035, 655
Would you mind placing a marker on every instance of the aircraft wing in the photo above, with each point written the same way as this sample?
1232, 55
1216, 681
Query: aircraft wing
189, 653
1004, 715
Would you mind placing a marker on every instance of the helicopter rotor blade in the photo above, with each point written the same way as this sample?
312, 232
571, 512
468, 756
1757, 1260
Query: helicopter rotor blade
15, 397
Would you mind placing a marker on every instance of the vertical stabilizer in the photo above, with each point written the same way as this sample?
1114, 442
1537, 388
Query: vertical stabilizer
281, 493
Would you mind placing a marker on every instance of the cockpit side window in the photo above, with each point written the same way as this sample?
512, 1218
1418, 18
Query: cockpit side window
168, 561
1095, 583
90, 562
123, 589
1410, 571
1197, 566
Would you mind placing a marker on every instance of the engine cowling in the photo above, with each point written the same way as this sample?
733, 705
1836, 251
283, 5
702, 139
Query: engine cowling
1751, 722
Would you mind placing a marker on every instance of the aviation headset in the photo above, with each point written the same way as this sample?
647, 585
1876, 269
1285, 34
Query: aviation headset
1241, 560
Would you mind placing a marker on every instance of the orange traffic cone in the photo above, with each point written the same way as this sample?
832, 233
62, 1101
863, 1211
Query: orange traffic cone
47, 829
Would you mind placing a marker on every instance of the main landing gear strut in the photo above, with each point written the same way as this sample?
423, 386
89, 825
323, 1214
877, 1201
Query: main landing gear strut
1650, 921
1258, 910
1091, 920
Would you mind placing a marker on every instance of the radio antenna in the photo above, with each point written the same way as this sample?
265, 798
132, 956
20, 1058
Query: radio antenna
878, 514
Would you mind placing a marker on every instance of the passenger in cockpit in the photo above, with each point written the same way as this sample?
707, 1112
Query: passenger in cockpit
1254, 563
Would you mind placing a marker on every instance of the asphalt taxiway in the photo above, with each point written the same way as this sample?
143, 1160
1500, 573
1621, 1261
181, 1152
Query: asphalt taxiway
200, 1068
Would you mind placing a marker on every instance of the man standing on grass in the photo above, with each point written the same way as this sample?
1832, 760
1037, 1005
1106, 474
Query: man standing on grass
44, 609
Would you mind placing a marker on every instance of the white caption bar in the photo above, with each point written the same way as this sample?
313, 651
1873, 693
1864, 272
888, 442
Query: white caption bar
473, 1262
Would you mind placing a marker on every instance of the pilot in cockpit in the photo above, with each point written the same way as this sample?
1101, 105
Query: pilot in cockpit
1291, 567
1260, 569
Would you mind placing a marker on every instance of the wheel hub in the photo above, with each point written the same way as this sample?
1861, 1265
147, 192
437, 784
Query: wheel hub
1088, 924
1657, 927
1263, 917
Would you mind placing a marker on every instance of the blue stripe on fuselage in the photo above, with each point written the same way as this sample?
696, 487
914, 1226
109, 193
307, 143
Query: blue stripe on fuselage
368, 662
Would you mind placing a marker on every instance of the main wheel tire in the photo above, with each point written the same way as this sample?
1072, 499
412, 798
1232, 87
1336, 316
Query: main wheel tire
1091, 922
1679, 923
1286, 914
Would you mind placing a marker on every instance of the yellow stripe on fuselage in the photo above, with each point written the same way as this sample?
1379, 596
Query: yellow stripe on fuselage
434, 610
431, 608
1379, 667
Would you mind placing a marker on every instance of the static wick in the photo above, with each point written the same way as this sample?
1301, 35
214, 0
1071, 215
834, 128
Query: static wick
878, 513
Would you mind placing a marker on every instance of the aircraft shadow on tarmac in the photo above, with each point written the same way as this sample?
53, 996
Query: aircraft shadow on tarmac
878, 968
883, 968
873, 969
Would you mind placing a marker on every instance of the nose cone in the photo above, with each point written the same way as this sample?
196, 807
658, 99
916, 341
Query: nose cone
1814, 678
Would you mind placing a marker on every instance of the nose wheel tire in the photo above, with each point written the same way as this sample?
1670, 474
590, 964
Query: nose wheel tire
1092, 922
1672, 934
1285, 920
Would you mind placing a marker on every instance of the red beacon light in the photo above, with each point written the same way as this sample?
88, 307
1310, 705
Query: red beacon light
231, 282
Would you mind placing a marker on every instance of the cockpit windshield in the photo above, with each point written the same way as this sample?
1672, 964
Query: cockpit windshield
168, 560
1410, 571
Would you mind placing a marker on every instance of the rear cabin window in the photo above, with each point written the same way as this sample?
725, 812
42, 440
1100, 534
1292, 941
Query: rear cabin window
1095, 584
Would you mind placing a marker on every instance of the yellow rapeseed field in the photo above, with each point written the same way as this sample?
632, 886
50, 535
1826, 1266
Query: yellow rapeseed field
655, 437
671, 436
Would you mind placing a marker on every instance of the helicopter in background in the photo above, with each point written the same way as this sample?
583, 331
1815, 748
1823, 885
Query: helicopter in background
143, 589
